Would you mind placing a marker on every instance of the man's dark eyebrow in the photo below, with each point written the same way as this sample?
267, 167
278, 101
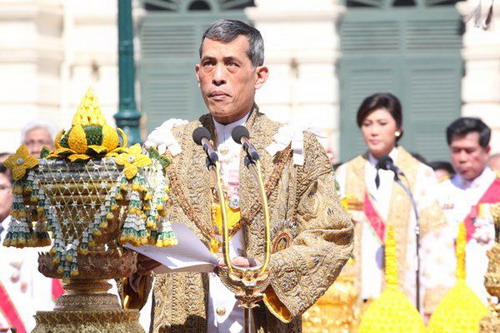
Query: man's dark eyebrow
229, 58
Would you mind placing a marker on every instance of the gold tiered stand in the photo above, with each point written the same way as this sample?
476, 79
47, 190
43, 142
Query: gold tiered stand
94, 195
491, 323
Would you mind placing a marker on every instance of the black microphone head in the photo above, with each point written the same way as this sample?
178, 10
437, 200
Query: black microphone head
199, 134
239, 132
385, 162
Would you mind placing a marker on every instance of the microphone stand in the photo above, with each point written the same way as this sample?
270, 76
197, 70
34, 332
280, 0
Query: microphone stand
417, 233
247, 283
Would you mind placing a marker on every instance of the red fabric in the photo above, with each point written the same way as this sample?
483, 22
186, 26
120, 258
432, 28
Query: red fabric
9, 311
492, 195
57, 289
376, 222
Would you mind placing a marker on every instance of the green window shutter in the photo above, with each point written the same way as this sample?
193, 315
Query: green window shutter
431, 104
413, 53
360, 81
170, 36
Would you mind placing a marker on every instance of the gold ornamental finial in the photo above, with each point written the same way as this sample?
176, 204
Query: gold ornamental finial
89, 111
461, 310
392, 312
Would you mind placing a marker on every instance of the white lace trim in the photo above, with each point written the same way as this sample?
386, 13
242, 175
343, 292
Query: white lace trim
293, 133
163, 139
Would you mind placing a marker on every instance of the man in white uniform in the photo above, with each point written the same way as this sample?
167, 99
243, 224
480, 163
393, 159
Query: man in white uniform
468, 196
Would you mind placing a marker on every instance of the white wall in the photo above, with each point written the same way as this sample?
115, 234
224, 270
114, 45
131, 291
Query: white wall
481, 84
302, 47
51, 51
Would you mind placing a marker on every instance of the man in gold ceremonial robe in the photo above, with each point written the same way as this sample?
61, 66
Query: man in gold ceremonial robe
311, 237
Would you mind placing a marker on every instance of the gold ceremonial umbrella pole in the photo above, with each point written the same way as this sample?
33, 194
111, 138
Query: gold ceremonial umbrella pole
491, 323
93, 194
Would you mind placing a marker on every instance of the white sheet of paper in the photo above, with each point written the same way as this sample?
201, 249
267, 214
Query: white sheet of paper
189, 255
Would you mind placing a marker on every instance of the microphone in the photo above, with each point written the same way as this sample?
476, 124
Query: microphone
202, 136
386, 163
241, 135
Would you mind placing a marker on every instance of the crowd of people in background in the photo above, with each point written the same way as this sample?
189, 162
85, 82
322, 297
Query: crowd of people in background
23, 289
445, 195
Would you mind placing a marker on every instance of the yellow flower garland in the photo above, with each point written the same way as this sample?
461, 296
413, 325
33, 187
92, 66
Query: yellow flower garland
461, 310
90, 135
132, 159
20, 162
392, 312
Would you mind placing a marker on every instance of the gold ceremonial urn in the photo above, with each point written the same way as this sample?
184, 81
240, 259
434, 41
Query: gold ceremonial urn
491, 323
88, 198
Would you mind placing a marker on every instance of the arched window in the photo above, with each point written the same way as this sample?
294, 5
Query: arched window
199, 5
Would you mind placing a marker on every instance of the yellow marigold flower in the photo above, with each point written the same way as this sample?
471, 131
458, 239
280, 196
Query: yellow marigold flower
132, 160
97, 149
77, 139
58, 138
110, 138
20, 162
392, 312
89, 111
123, 136
461, 310
76, 157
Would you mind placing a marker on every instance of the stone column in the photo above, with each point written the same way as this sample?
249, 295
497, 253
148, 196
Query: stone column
302, 48
481, 83
31, 53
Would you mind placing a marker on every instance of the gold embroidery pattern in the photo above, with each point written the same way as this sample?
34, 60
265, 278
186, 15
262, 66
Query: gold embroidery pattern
400, 208
302, 271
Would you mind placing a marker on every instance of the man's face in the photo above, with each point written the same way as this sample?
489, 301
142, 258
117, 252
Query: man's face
227, 79
36, 139
467, 156
5, 197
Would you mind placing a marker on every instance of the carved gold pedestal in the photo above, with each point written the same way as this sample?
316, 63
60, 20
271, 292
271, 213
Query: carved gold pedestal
335, 311
491, 323
87, 307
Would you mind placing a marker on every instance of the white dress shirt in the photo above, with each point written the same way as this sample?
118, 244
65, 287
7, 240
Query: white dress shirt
456, 197
223, 313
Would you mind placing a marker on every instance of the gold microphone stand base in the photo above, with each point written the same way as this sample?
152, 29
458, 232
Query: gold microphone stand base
87, 308
491, 323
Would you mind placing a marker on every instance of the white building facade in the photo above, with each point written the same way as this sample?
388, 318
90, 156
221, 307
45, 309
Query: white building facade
51, 51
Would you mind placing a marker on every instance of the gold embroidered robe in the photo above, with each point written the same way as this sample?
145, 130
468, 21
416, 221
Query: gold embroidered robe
312, 236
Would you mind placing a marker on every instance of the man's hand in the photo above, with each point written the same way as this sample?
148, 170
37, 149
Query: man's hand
239, 261
145, 264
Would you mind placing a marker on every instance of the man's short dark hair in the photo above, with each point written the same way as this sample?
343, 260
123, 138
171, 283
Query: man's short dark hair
6, 172
465, 125
442, 165
226, 31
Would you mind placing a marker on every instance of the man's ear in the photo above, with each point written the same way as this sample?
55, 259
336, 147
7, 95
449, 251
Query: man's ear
197, 70
487, 149
261, 73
